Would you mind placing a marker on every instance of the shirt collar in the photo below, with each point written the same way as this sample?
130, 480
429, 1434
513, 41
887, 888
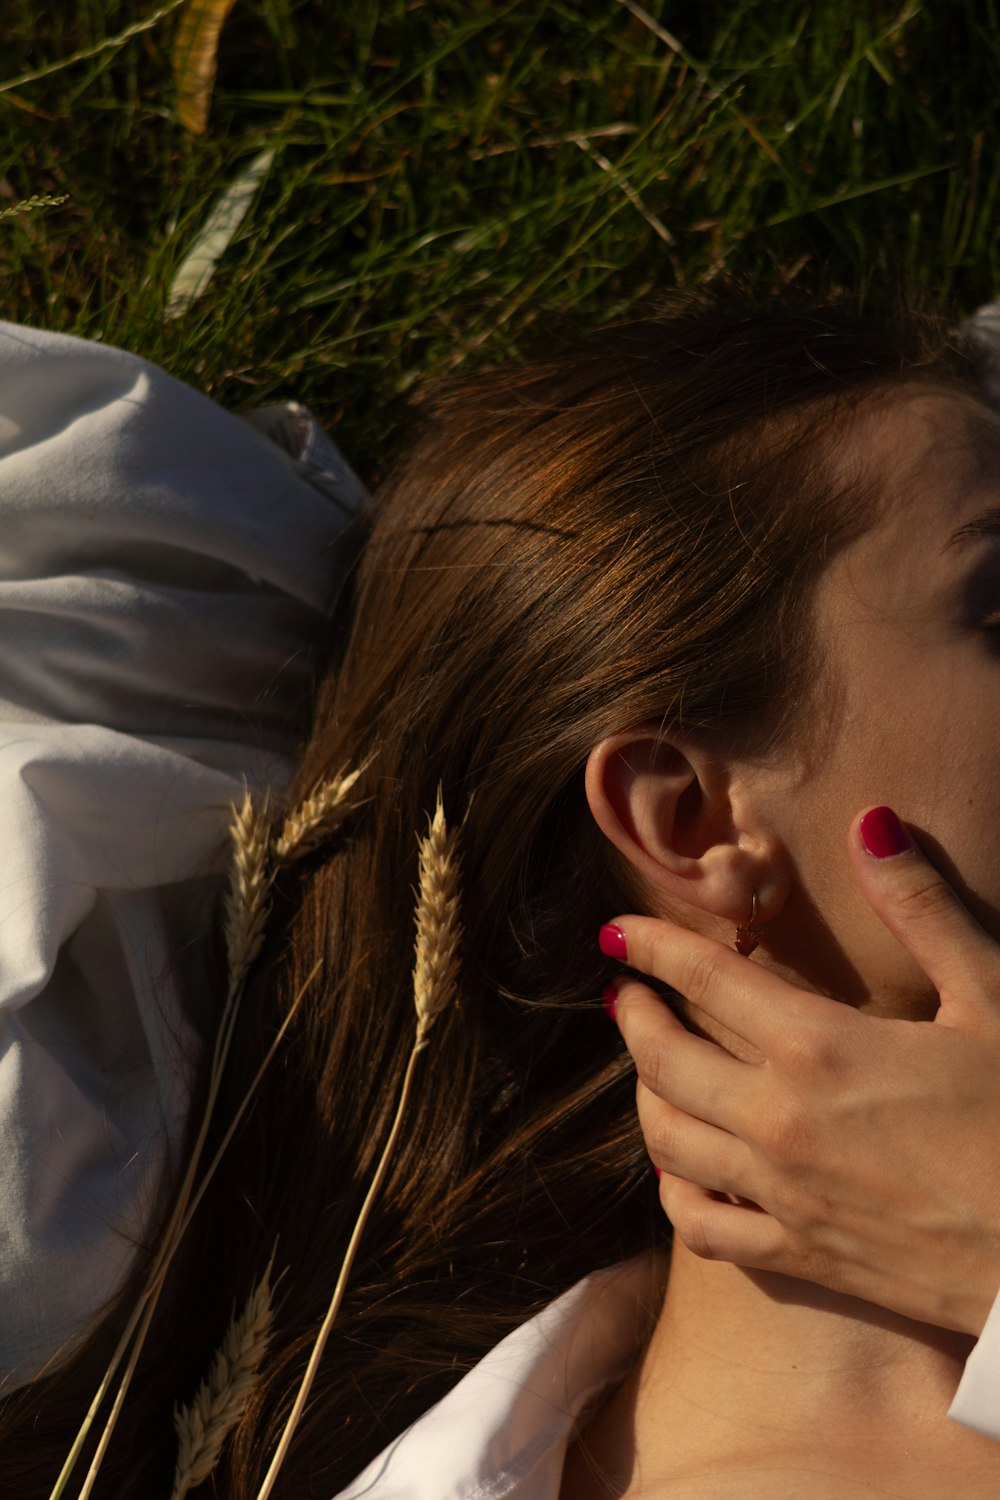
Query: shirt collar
501, 1433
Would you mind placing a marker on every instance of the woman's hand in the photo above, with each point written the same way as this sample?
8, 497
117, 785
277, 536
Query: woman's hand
866, 1151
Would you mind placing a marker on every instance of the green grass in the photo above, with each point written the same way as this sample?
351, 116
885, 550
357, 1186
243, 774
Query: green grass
454, 180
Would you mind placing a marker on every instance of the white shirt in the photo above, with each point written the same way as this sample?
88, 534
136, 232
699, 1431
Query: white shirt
165, 576
502, 1432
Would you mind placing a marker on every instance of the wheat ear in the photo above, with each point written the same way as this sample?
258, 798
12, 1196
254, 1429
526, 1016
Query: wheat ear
435, 968
317, 817
435, 976
245, 915
223, 1395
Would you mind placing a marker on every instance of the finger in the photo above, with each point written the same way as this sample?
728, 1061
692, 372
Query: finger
715, 1230
691, 1073
747, 998
688, 1148
922, 910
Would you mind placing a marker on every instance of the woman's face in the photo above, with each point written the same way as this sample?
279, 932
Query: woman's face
908, 622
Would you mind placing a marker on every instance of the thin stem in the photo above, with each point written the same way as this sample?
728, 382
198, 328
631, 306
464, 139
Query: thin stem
176, 1225
154, 1289
345, 1271
123, 1386
106, 45
244, 1103
163, 1256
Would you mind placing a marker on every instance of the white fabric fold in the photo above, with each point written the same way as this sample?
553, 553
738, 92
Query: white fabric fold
977, 1400
166, 574
502, 1432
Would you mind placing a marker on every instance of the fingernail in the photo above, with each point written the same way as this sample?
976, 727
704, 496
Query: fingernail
882, 834
612, 941
659, 1174
609, 999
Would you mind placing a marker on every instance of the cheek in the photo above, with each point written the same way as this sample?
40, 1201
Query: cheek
939, 771
930, 752
835, 940
956, 832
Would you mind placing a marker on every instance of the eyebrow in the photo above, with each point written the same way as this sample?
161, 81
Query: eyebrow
985, 525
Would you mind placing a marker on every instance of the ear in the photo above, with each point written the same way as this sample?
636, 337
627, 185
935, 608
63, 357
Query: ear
686, 822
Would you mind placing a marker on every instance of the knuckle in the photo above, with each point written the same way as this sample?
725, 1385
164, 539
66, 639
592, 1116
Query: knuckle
703, 975
649, 1057
659, 1131
786, 1134
924, 898
691, 1226
811, 1051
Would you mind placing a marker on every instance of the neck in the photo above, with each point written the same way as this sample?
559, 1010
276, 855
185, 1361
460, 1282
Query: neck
779, 1350
743, 1366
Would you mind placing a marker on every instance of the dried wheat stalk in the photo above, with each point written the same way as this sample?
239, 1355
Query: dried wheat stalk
246, 912
435, 977
222, 1397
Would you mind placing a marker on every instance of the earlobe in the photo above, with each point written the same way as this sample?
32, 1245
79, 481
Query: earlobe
666, 805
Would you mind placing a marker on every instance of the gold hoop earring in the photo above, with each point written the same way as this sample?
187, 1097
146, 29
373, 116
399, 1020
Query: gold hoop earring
748, 935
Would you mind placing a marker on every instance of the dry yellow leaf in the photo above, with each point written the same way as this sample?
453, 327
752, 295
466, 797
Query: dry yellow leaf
196, 50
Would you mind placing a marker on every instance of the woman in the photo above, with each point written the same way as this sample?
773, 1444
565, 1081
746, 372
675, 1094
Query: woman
615, 605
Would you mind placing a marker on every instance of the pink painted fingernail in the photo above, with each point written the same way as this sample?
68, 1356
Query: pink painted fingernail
882, 834
609, 999
612, 941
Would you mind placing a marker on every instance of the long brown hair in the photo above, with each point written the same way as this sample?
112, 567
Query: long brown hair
622, 531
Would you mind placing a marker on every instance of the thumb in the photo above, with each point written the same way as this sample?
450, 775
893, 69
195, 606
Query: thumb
920, 908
